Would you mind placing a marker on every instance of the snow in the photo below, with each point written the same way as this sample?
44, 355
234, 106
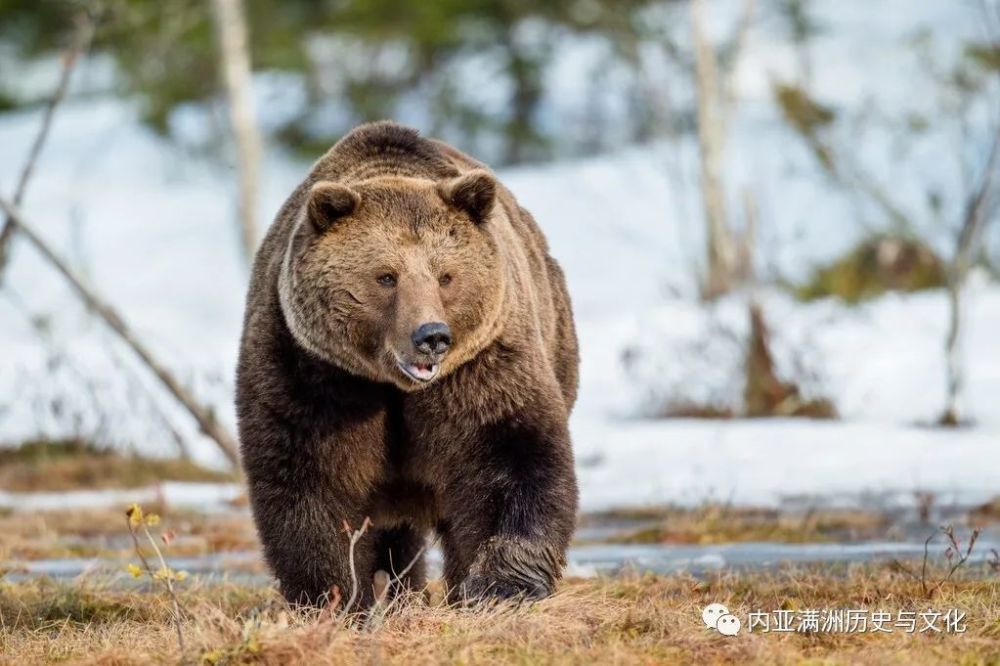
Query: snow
771, 462
880, 361
176, 494
150, 224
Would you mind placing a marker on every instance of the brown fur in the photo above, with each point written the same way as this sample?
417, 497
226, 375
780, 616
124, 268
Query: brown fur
390, 231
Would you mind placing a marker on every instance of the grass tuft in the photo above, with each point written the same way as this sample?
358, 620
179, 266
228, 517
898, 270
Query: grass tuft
74, 464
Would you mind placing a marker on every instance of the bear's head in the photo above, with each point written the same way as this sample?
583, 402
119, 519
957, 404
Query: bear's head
396, 279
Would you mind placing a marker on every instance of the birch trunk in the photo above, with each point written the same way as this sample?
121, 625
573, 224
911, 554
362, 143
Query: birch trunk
230, 20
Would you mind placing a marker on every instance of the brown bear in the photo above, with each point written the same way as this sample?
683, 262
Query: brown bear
408, 355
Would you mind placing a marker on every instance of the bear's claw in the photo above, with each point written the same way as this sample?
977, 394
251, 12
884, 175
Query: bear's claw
507, 568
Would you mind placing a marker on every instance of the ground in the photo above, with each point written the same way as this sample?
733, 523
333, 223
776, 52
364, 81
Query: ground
66, 595
628, 619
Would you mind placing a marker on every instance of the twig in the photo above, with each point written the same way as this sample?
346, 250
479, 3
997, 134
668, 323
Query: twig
962, 558
202, 415
922, 578
377, 612
47, 339
135, 382
993, 562
923, 567
354, 537
953, 549
168, 582
398, 578
78, 45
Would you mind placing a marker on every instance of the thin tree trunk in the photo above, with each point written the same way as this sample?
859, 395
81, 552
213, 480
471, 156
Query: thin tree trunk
230, 20
202, 415
978, 212
721, 248
739, 43
952, 414
79, 44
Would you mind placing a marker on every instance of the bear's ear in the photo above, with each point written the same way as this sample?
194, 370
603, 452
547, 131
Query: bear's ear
475, 193
328, 202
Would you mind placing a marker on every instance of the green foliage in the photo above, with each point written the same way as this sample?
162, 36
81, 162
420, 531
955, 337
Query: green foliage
35, 27
803, 112
167, 53
8, 102
807, 117
986, 56
875, 266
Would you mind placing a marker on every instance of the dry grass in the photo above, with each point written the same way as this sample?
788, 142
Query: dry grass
640, 620
629, 620
718, 523
104, 533
75, 464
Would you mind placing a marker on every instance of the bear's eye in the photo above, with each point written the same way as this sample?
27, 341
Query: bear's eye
387, 280
445, 280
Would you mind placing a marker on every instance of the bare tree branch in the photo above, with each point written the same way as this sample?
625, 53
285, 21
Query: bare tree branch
79, 44
980, 207
978, 211
202, 415
230, 20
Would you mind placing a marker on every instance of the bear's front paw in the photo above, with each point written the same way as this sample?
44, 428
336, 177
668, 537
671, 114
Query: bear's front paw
486, 587
507, 568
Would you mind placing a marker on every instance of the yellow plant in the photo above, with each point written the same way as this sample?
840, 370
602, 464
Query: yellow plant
137, 520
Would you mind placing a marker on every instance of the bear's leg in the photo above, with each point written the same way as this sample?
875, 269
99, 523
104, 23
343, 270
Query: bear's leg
398, 549
310, 469
507, 526
301, 529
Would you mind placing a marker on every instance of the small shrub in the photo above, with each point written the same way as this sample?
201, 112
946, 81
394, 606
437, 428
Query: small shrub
875, 266
722, 364
765, 393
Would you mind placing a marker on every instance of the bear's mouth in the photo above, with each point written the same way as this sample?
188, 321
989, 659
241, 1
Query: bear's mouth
421, 372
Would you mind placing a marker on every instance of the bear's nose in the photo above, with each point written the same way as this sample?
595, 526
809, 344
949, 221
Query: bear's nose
432, 338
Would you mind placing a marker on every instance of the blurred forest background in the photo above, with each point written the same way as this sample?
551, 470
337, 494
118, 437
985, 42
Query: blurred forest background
778, 221
738, 190
475, 73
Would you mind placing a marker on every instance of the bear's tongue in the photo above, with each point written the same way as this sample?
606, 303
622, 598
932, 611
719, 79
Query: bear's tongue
420, 371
